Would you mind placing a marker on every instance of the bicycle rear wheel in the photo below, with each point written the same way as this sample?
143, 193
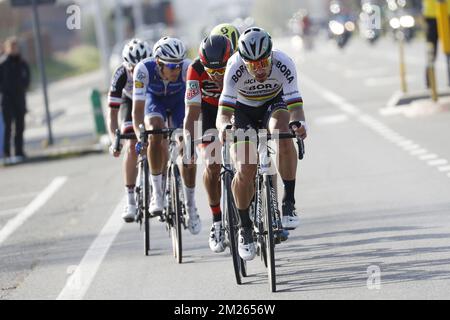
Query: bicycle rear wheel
176, 212
269, 234
231, 226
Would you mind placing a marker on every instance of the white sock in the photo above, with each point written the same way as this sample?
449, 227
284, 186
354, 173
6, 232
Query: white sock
130, 196
189, 196
156, 184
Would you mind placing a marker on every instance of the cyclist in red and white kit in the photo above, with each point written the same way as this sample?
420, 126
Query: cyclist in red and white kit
120, 104
203, 89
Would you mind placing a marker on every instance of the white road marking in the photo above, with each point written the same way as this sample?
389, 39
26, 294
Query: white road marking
13, 224
411, 147
80, 280
363, 73
406, 143
331, 119
386, 81
417, 152
444, 169
384, 131
428, 157
438, 162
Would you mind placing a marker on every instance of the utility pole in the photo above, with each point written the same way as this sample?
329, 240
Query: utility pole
102, 41
119, 22
40, 59
137, 15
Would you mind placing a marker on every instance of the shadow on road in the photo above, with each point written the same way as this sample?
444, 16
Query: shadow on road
323, 261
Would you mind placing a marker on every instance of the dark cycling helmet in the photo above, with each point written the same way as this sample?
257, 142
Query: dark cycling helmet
214, 51
255, 44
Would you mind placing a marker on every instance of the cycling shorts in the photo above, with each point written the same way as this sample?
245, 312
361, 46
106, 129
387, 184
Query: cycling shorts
158, 106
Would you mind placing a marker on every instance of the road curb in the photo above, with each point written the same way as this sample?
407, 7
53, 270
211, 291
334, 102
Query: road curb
59, 154
403, 99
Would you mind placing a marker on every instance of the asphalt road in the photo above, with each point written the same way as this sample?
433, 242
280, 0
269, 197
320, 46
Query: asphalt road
373, 192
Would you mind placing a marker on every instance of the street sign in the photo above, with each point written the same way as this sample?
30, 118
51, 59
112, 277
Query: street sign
23, 3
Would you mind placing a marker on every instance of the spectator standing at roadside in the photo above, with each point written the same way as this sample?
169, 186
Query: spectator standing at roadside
14, 83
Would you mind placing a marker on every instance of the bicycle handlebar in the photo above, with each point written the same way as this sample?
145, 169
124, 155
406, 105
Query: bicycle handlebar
284, 135
118, 136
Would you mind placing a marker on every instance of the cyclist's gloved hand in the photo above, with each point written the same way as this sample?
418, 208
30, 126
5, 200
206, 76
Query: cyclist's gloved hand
115, 152
299, 128
138, 148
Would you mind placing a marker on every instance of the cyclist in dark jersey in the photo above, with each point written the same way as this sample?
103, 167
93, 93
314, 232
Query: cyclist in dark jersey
204, 86
120, 105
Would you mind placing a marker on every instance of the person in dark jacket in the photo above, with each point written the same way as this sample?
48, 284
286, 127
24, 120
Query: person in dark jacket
14, 83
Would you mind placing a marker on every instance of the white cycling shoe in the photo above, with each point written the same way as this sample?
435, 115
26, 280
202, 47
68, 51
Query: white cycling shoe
246, 246
129, 213
217, 237
290, 220
156, 205
194, 223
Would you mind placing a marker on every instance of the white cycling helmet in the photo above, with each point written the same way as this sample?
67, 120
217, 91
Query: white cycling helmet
255, 44
135, 51
170, 50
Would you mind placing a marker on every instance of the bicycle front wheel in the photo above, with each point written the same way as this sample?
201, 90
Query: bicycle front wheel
176, 213
146, 198
232, 226
269, 234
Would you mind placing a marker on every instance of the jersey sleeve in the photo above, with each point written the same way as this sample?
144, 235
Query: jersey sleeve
193, 95
186, 64
228, 97
291, 93
140, 82
118, 82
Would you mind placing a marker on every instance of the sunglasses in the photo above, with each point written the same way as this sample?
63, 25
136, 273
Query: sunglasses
214, 72
253, 66
171, 66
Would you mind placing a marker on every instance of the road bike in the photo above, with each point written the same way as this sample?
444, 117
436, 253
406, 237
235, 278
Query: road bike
264, 211
174, 213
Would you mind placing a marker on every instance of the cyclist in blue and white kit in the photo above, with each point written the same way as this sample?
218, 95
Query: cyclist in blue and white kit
159, 84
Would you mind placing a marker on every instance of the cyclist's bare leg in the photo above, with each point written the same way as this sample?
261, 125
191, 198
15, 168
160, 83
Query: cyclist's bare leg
157, 151
243, 186
211, 178
188, 173
130, 163
211, 181
288, 167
